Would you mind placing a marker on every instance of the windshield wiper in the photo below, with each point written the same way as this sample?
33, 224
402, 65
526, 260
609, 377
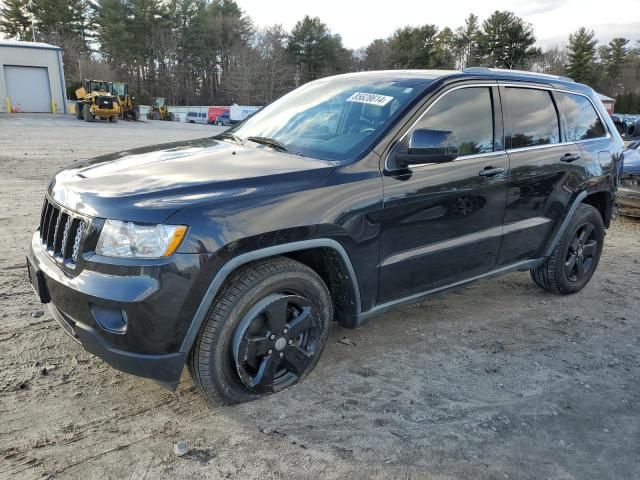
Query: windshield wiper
271, 142
232, 136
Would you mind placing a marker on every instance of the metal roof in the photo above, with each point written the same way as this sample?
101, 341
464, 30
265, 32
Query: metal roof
19, 44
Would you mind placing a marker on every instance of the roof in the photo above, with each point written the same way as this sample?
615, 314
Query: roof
19, 44
494, 73
604, 98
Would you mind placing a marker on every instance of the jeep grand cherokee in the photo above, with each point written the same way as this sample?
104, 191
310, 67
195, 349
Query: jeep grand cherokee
346, 197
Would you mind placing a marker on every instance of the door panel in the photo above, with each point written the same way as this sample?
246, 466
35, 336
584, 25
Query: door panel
541, 187
442, 222
440, 225
545, 171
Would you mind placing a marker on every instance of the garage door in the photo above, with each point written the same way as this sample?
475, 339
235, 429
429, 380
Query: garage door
28, 86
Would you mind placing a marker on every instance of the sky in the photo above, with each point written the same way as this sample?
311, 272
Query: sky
359, 22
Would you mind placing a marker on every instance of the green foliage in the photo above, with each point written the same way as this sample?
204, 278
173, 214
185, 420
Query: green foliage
505, 40
582, 55
15, 19
413, 47
317, 51
615, 56
209, 52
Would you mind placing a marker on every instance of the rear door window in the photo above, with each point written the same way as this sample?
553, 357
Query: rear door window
534, 119
583, 123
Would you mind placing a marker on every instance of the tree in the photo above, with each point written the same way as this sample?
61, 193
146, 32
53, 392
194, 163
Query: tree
376, 55
317, 51
277, 69
16, 19
413, 47
582, 55
445, 49
615, 56
505, 40
467, 43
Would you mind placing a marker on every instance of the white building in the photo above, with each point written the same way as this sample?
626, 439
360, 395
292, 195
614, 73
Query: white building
31, 77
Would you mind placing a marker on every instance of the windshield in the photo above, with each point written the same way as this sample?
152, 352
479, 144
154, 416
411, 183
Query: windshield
120, 89
158, 102
335, 118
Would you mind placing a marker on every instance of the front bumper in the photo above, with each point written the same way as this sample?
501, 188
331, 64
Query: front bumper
155, 301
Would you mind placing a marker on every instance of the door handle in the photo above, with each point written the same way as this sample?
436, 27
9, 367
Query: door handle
570, 157
491, 171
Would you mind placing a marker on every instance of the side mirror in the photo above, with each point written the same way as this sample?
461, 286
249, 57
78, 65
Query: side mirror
428, 146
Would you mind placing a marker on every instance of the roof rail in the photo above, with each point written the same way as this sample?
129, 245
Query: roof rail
518, 72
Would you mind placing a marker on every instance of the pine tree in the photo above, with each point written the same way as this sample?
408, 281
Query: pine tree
615, 57
582, 55
15, 19
505, 40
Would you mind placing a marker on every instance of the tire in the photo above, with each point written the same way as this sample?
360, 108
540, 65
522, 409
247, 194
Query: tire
79, 111
114, 119
575, 258
170, 118
86, 113
220, 359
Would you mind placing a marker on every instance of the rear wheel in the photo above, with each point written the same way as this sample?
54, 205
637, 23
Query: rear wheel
113, 119
575, 258
79, 111
265, 332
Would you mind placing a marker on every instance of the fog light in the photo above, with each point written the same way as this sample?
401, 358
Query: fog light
110, 319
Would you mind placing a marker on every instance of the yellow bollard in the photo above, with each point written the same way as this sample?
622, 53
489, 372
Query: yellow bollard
8, 105
53, 106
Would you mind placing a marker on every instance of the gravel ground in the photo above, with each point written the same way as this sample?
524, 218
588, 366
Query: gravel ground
500, 380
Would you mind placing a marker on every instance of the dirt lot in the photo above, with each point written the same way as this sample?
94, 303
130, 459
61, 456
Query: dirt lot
500, 380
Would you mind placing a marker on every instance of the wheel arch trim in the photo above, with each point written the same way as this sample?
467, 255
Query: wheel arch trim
565, 223
242, 259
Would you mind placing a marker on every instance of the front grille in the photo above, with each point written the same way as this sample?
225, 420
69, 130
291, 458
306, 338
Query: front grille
105, 102
61, 233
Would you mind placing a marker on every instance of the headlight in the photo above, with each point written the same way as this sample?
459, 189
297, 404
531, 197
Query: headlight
128, 239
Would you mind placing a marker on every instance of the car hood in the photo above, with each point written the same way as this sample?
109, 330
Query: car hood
632, 161
149, 184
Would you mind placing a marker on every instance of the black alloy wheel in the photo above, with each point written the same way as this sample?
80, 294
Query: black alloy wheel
275, 342
265, 331
581, 253
575, 257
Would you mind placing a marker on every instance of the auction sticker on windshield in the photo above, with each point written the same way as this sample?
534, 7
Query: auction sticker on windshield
370, 98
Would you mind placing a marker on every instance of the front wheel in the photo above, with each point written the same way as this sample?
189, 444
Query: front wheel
575, 258
265, 332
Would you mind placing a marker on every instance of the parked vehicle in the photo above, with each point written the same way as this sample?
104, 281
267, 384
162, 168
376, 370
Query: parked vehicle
214, 112
196, 117
628, 195
223, 119
238, 113
128, 108
159, 110
349, 196
96, 100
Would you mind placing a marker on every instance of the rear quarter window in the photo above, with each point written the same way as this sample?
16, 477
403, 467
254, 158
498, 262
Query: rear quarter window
533, 118
583, 122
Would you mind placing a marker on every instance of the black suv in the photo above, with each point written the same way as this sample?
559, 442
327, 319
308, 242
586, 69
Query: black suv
349, 196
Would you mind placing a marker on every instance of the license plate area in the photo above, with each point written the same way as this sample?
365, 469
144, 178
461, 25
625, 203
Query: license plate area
38, 282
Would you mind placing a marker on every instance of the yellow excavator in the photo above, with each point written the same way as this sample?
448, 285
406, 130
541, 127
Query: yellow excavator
96, 100
128, 110
159, 111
